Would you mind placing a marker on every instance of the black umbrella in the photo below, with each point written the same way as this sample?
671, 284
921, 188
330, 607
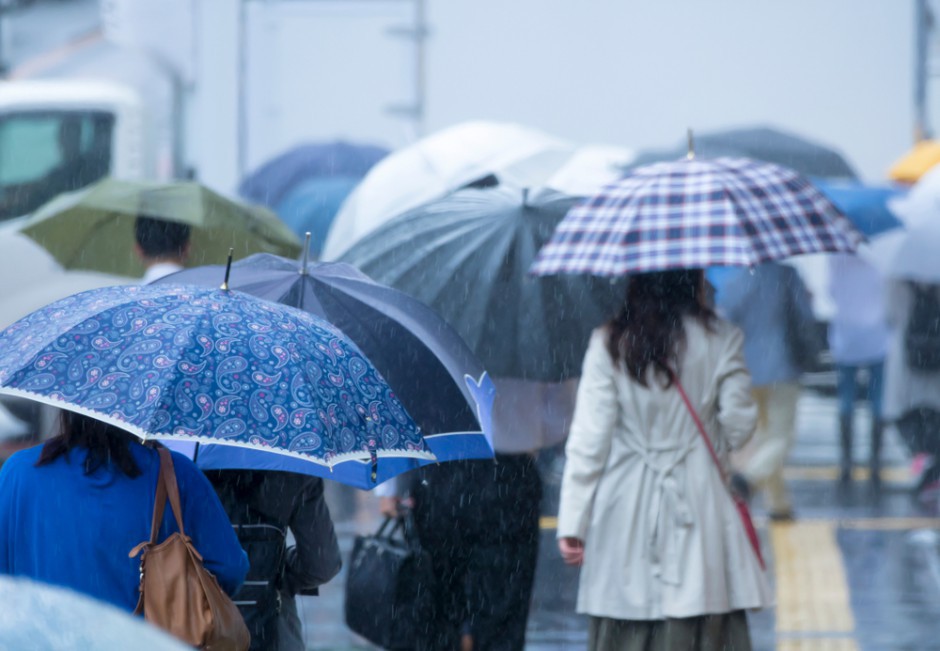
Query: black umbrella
761, 143
417, 353
468, 257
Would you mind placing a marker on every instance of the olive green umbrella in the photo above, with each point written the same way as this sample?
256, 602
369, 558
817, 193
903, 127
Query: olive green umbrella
93, 228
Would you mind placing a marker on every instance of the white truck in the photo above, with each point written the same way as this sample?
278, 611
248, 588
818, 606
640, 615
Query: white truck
61, 135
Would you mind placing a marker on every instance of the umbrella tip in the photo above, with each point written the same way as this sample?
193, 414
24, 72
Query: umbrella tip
228, 270
306, 256
691, 153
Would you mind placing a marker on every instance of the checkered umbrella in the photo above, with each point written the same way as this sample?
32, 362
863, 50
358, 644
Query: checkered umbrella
690, 214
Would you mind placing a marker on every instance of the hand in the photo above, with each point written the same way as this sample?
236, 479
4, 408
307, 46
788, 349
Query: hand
391, 507
572, 550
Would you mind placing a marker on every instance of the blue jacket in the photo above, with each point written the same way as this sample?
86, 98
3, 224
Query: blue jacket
756, 300
63, 527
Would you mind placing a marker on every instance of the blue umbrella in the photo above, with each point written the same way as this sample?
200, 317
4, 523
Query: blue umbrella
271, 183
312, 204
865, 205
255, 384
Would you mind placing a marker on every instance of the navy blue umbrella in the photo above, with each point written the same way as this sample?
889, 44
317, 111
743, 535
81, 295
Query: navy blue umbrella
865, 205
270, 183
760, 143
441, 384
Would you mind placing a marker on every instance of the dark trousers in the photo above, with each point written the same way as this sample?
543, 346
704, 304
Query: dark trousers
479, 521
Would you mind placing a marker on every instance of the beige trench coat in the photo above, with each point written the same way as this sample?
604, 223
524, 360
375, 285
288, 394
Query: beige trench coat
662, 536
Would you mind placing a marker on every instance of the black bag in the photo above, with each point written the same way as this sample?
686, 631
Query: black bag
922, 335
805, 339
259, 598
388, 589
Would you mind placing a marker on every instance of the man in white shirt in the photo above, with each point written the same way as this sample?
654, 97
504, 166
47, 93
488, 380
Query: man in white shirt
162, 245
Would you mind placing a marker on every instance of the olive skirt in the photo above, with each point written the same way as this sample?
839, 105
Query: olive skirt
727, 632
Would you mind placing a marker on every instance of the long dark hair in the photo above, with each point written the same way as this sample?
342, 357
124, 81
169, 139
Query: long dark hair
648, 329
105, 443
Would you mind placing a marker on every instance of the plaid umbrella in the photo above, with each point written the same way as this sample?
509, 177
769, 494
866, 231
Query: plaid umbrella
690, 214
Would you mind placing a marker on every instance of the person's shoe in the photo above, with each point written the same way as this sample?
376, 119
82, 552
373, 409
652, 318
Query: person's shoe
740, 486
782, 516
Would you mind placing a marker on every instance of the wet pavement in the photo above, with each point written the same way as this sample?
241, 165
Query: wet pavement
857, 570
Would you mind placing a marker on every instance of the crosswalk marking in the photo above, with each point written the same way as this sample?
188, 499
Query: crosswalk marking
812, 591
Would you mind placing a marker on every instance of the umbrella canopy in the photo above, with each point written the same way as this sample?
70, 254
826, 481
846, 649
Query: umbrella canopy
467, 257
761, 143
270, 184
589, 169
439, 164
30, 278
42, 617
916, 163
93, 228
694, 213
865, 205
256, 384
312, 205
441, 384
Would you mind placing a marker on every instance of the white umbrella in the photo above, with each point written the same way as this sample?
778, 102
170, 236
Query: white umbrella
440, 163
911, 253
42, 617
589, 169
31, 278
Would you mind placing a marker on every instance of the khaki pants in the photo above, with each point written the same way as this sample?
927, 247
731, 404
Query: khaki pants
773, 440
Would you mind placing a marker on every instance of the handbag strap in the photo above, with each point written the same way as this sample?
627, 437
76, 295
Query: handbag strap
699, 425
168, 478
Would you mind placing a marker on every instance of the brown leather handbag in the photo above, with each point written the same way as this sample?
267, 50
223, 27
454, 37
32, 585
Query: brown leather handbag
177, 593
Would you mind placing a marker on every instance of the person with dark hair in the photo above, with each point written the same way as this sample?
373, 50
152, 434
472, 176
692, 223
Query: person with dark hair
72, 509
263, 506
162, 245
665, 560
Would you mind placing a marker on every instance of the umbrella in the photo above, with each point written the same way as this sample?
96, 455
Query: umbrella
256, 384
695, 213
421, 357
761, 143
917, 162
589, 169
439, 164
467, 256
865, 205
30, 278
93, 228
312, 205
270, 184
42, 617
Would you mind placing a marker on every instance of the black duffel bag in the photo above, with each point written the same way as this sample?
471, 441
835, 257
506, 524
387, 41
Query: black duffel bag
388, 588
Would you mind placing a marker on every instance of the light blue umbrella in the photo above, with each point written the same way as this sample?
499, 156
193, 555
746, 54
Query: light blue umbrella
255, 384
865, 205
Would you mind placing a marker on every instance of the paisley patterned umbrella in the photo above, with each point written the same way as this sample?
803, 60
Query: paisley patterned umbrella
255, 384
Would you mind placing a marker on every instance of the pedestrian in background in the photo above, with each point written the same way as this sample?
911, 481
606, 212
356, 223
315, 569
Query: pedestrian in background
161, 245
858, 342
771, 305
912, 371
263, 506
665, 561
479, 521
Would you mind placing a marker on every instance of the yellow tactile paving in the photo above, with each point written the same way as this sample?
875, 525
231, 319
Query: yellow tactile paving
892, 475
812, 591
818, 644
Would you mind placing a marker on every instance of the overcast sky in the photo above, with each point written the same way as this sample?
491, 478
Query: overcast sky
638, 72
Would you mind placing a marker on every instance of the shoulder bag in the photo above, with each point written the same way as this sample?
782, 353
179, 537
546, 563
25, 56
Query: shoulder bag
739, 502
177, 593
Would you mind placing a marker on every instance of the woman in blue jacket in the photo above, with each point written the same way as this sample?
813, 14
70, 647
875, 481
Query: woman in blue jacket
72, 509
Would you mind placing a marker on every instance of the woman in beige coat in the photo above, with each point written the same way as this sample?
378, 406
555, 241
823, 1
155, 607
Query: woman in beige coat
665, 560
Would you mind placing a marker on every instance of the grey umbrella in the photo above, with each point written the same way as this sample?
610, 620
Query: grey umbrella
468, 257
761, 143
